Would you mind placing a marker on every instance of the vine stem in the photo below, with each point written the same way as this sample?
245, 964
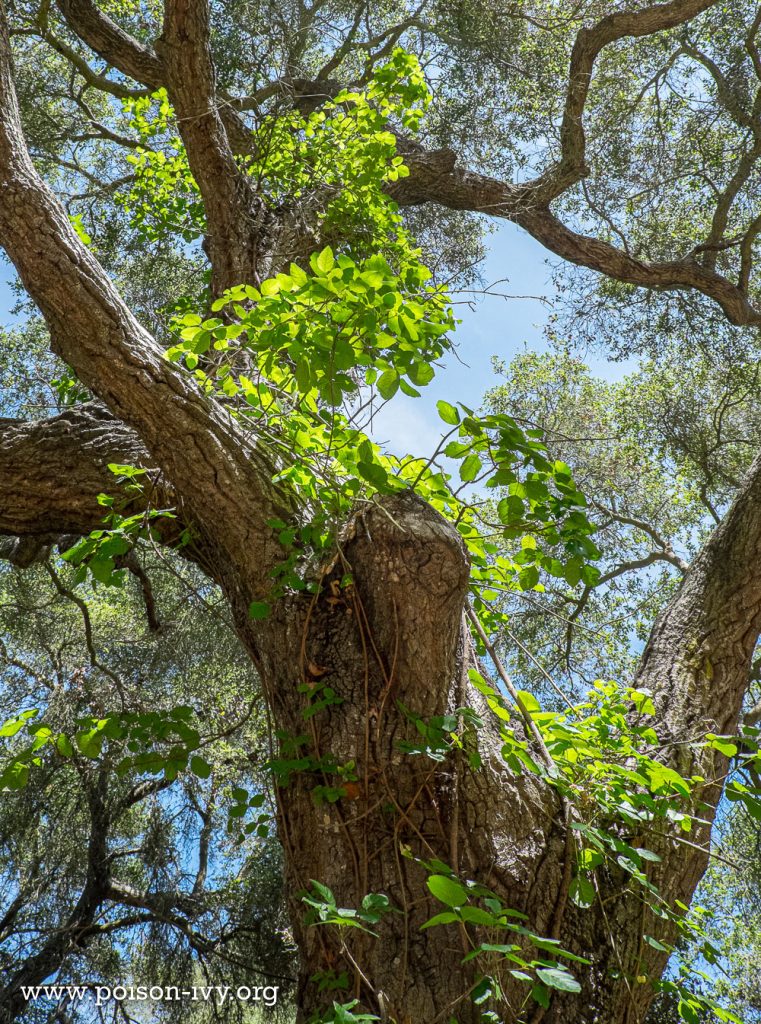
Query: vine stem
557, 921
514, 694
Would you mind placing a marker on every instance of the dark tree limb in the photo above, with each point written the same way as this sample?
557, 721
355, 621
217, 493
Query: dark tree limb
52, 471
213, 133
112, 43
435, 177
571, 166
47, 960
460, 189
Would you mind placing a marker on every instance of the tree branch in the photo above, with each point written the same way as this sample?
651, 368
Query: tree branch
222, 478
235, 215
667, 550
52, 472
435, 177
112, 43
460, 189
571, 166
136, 60
698, 657
73, 931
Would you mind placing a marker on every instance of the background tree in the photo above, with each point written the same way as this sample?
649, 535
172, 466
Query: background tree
117, 876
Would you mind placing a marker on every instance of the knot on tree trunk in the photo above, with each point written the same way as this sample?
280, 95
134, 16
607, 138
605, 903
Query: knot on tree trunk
408, 545
411, 570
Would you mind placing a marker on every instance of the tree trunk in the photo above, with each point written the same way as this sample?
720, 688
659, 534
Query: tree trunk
386, 632
391, 635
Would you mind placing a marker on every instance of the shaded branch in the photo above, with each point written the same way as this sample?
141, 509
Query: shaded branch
667, 552
52, 471
73, 931
435, 177
135, 60
571, 166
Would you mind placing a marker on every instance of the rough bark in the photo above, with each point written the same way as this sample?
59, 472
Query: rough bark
697, 665
136, 60
117, 47
52, 471
221, 475
395, 637
237, 218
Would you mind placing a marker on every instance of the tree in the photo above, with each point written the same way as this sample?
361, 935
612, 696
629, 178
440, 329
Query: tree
162, 908
346, 571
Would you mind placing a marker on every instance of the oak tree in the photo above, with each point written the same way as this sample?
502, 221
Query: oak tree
293, 154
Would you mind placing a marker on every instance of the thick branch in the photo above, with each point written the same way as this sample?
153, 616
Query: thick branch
234, 213
222, 477
698, 658
52, 472
434, 177
571, 167
461, 189
136, 60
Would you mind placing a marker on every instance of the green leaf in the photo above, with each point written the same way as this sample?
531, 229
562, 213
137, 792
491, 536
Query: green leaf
556, 977
448, 917
15, 776
688, 1011
540, 995
388, 384
529, 701
64, 746
448, 413
582, 892
476, 915
470, 468
528, 577
200, 767
259, 610
12, 727
448, 890
421, 373
325, 261
374, 473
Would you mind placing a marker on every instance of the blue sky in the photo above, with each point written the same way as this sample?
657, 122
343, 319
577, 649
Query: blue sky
494, 326
7, 300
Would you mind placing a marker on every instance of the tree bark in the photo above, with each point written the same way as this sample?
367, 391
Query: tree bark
394, 637
52, 471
